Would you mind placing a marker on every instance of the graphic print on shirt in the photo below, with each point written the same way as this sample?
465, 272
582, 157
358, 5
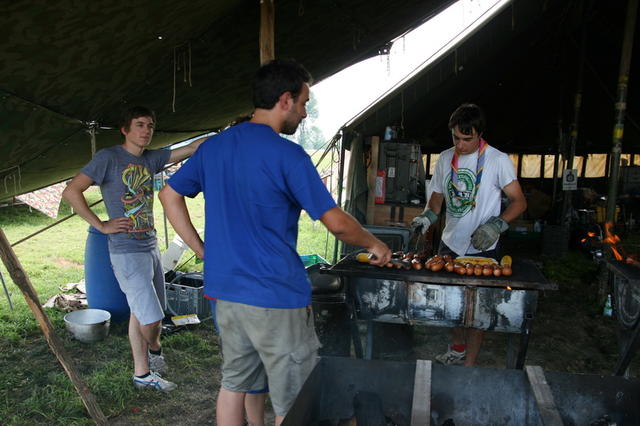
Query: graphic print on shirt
460, 202
137, 200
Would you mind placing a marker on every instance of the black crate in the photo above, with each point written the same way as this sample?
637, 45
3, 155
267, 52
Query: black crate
185, 295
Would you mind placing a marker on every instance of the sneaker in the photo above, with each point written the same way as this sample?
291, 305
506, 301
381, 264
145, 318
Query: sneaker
452, 357
153, 381
158, 364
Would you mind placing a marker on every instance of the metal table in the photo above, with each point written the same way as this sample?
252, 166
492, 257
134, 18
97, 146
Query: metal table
445, 299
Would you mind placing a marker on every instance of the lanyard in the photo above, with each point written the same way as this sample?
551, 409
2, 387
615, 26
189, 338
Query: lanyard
482, 148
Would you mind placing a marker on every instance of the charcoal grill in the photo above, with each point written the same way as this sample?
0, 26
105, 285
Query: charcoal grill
422, 393
625, 281
390, 295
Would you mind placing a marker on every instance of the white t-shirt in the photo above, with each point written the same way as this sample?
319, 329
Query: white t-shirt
462, 218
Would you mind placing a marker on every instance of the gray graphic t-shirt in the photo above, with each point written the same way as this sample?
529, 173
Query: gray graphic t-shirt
126, 183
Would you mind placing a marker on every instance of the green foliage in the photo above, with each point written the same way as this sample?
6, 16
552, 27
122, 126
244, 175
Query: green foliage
308, 135
573, 269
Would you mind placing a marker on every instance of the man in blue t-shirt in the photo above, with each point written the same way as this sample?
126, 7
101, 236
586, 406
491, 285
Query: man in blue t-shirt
255, 184
125, 175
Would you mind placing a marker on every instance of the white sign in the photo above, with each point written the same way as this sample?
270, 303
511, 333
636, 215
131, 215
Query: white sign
391, 172
569, 180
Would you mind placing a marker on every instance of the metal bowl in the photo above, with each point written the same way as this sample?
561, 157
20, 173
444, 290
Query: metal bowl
88, 325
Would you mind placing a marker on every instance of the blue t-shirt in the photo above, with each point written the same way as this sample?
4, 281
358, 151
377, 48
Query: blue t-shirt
126, 184
255, 183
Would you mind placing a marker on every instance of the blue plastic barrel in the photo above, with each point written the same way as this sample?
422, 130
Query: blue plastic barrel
103, 290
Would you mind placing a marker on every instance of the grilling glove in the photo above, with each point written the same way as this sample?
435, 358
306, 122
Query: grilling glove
486, 235
423, 221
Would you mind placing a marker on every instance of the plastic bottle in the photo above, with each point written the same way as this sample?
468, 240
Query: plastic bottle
388, 133
607, 307
537, 226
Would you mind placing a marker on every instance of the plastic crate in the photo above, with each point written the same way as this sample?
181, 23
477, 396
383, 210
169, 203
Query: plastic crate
311, 259
185, 295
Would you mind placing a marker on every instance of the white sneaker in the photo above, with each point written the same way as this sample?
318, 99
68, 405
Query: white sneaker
452, 357
154, 381
158, 364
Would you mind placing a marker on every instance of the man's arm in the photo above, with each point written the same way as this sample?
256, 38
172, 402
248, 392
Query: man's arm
517, 204
435, 202
347, 229
183, 152
74, 194
429, 216
177, 212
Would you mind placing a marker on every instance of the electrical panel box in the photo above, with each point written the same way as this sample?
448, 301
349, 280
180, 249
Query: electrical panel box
404, 171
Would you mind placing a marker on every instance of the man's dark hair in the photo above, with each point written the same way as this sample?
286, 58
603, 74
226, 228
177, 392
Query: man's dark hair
135, 112
468, 117
275, 78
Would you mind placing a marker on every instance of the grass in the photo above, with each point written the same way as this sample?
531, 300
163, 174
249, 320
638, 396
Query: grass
36, 390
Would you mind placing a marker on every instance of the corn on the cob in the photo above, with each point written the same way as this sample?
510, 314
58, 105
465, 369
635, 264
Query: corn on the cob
477, 260
506, 261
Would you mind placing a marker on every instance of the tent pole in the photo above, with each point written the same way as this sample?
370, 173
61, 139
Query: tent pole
6, 291
20, 278
164, 215
340, 181
575, 124
267, 39
621, 107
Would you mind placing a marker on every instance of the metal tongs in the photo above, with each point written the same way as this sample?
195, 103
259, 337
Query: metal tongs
397, 262
416, 234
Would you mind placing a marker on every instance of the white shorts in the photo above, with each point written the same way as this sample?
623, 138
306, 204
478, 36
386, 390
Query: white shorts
141, 279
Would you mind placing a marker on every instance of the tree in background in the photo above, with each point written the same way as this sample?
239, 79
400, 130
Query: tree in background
309, 136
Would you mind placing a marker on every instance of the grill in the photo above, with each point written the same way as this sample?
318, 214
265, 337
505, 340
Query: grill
422, 393
390, 295
625, 281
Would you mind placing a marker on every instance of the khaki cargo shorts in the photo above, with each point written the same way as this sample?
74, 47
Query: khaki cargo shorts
263, 346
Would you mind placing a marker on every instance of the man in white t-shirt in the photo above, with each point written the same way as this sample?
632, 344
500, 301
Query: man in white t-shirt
470, 178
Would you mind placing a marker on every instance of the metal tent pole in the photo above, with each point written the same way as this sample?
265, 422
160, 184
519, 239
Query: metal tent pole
340, 182
621, 107
6, 291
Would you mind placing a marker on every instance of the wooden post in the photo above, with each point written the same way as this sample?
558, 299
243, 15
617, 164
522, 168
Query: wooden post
549, 414
421, 405
372, 173
267, 39
21, 279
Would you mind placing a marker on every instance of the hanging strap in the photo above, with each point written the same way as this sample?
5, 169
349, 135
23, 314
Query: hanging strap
482, 148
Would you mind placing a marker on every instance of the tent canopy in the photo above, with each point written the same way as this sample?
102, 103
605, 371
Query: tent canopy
69, 66
522, 68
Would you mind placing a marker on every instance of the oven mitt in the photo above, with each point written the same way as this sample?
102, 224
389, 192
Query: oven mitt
423, 221
486, 235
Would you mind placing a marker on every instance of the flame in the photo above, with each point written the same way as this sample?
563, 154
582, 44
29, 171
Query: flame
591, 234
508, 288
583, 240
612, 239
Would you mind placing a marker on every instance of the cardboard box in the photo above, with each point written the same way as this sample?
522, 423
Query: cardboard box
390, 215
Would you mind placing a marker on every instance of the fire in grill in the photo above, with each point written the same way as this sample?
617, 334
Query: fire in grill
624, 278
